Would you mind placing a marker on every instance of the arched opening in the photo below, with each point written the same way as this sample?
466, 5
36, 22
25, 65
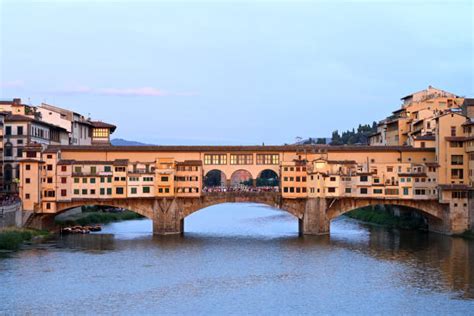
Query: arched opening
8, 172
8, 149
243, 219
394, 216
214, 178
241, 178
106, 216
268, 178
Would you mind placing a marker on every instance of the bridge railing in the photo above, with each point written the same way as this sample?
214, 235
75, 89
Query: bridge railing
246, 190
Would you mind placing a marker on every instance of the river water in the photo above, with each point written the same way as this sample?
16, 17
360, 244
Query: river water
241, 259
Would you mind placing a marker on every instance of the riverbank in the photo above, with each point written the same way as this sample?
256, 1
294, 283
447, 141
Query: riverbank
385, 217
468, 234
11, 239
99, 217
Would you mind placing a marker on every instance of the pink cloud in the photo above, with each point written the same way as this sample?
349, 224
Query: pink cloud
12, 84
141, 91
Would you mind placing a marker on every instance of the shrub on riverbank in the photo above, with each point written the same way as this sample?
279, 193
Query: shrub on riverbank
13, 238
468, 234
98, 218
384, 217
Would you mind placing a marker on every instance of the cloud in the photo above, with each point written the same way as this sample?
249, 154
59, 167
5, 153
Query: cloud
141, 91
11, 84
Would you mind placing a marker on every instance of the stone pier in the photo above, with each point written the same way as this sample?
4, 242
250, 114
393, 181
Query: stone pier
315, 220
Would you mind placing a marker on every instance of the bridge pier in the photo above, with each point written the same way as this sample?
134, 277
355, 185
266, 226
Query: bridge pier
315, 220
166, 217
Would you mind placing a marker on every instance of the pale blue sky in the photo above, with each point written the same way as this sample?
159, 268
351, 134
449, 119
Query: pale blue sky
233, 72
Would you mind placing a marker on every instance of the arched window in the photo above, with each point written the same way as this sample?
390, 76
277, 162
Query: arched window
8, 173
8, 150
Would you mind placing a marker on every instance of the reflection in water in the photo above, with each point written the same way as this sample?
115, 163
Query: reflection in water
242, 258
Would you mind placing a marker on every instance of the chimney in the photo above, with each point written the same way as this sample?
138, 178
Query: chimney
16, 101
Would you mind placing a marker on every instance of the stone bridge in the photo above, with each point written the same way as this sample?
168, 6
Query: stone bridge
314, 214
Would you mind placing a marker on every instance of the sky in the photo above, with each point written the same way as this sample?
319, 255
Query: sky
240, 72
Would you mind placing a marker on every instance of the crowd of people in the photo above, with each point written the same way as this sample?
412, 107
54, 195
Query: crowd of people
240, 188
8, 200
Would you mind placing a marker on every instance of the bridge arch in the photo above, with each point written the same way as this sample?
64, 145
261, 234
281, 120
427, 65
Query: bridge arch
268, 177
143, 207
241, 176
215, 177
272, 199
433, 211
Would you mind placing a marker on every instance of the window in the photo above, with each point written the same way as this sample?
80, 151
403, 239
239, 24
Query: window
100, 133
109, 191
348, 190
215, 159
84, 191
48, 206
77, 169
457, 160
76, 191
363, 190
391, 191
19, 152
457, 174
8, 130
331, 190
102, 191
30, 154
92, 180
406, 191
454, 144
119, 169
378, 191
93, 191
146, 189
332, 179
63, 192
63, 180
76, 180
50, 180
49, 167
459, 195
28, 167
241, 159
453, 131
268, 159
28, 180
84, 180
108, 169
93, 170
133, 190
102, 180
63, 168
164, 179
27, 196
364, 178
8, 150
167, 190
109, 179
285, 189
119, 190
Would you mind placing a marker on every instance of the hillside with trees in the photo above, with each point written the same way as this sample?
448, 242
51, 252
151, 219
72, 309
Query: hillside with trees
353, 137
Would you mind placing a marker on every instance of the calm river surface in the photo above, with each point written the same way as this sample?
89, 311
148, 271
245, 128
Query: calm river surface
241, 259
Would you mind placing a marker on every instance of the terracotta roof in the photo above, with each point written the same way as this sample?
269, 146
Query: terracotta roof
24, 118
342, 162
468, 123
120, 162
413, 174
282, 148
425, 137
460, 187
189, 163
456, 138
99, 124
31, 160
84, 162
